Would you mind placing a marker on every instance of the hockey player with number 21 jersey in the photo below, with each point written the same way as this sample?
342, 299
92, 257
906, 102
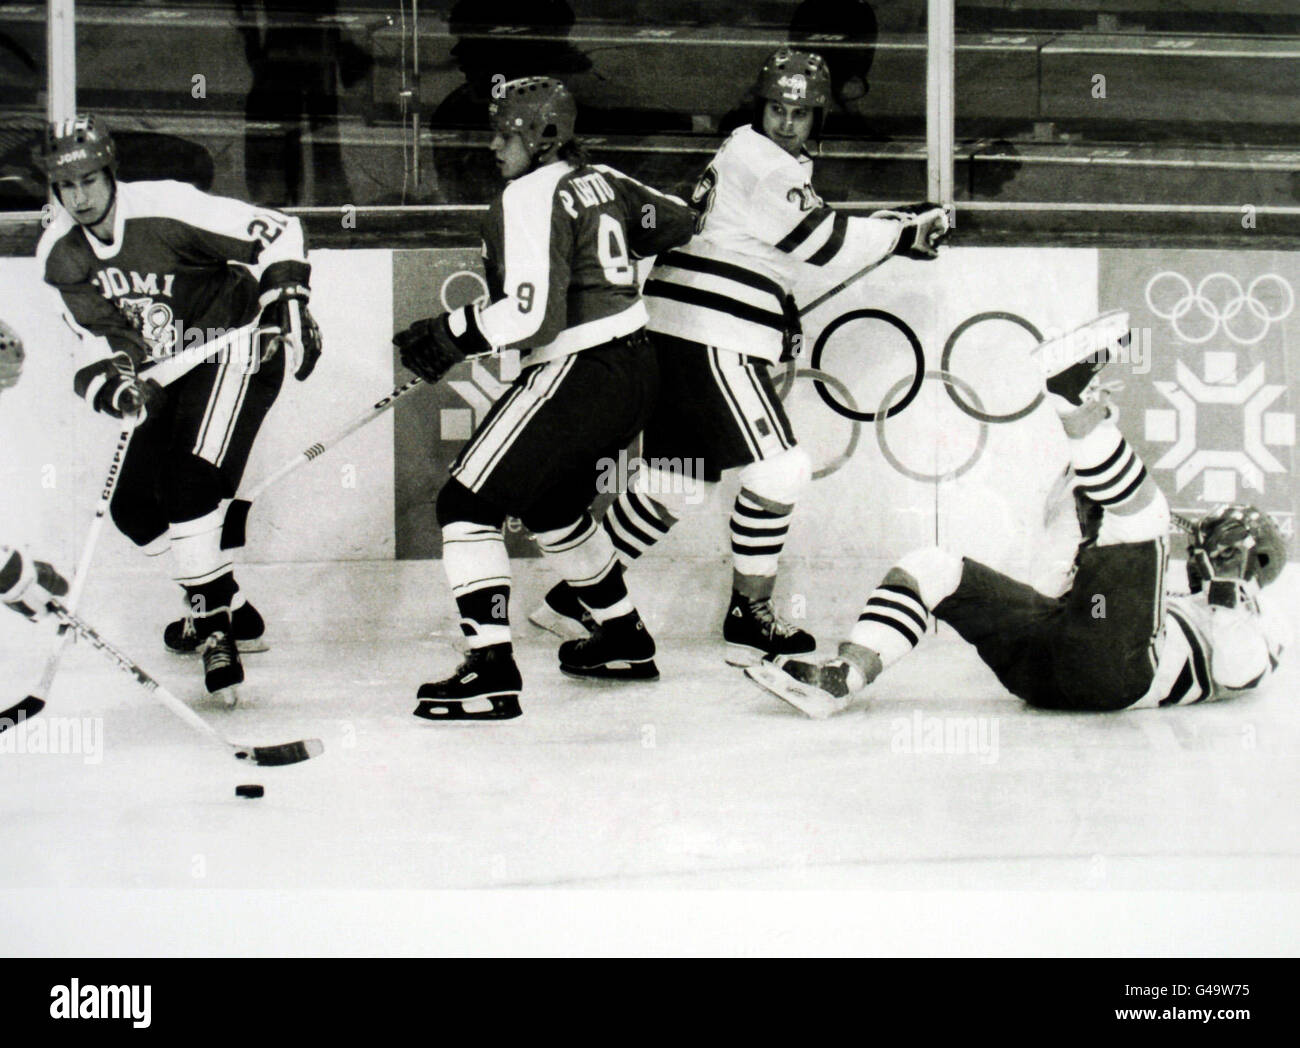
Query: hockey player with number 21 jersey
559, 247
142, 268
721, 315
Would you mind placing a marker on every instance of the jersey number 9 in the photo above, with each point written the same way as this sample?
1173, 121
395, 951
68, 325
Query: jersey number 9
611, 250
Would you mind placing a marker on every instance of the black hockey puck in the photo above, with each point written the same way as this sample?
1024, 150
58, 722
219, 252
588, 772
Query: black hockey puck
252, 790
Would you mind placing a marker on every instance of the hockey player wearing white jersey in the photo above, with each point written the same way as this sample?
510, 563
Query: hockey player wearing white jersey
559, 245
141, 268
1116, 639
721, 315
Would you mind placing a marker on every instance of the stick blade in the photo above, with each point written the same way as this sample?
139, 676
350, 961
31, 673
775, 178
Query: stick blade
285, 753
20, 711
234, 526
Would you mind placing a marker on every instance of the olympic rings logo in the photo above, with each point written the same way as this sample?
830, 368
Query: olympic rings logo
1219, 309
959, 391
478, 282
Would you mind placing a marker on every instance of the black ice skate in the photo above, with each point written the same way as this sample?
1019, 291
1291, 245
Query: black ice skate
222, 670
1072, 361
485, 686
619, 649
246, 625
754, 630
818, 689
563, 614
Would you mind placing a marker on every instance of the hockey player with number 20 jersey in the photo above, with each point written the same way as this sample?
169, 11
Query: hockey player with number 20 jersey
721, 315
559, 246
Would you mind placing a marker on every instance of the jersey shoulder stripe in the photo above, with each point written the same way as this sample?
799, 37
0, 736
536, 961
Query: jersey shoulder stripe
56, 249
1197, 659
718, 268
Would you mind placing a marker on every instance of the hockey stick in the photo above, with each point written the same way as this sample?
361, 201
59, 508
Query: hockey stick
805, 310
35, 702
854, 278
267, 756
234, 527
237, 341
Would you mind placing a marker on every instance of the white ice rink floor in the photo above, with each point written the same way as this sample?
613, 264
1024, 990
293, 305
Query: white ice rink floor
942, 782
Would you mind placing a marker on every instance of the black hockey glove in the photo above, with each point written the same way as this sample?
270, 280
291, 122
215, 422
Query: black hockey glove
792, 334
428, 348
19, 577
112, 386
926, 225
285, 319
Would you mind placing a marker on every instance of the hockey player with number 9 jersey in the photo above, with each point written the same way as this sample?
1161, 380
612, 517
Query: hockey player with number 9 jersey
559, 246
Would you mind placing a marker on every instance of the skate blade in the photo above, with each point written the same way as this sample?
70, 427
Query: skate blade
1103, 331
227, 697
253, 646
808, 700
482, 707
547, 618
614, 671
742, 655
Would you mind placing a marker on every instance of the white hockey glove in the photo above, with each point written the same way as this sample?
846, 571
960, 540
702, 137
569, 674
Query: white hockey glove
22, 579
924, 227
285, 319
11, 356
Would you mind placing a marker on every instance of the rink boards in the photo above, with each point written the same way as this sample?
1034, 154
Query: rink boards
928, 429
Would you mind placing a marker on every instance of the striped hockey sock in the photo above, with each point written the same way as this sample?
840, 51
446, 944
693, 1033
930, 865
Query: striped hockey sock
586, 558
634, 522
478, 571
894, 619
1109, 471
758, 530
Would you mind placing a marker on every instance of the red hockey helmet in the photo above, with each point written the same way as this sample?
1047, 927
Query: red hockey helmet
1238, 541
795, 77
538, 109
74, 148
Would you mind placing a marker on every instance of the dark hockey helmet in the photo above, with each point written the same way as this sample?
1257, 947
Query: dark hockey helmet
537, 108
795, 77
74, 148
1239, 541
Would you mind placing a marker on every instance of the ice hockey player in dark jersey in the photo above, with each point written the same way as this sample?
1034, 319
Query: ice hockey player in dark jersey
721, 315
148, 268
1147, 648
559, 247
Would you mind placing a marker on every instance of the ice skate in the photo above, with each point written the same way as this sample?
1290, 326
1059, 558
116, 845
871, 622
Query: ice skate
818, 689
222, 670
562, 613
485, 686
753, 630
246, 626
619, 649
1071, 362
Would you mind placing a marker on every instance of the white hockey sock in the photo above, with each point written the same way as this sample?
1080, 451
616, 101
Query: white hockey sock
201, 566
584, 555
640, 517
478, 571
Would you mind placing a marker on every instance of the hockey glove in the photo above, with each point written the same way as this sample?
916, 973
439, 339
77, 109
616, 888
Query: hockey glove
11, 356
112, 386
19, 578
924, 227
285, 319
432, 347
